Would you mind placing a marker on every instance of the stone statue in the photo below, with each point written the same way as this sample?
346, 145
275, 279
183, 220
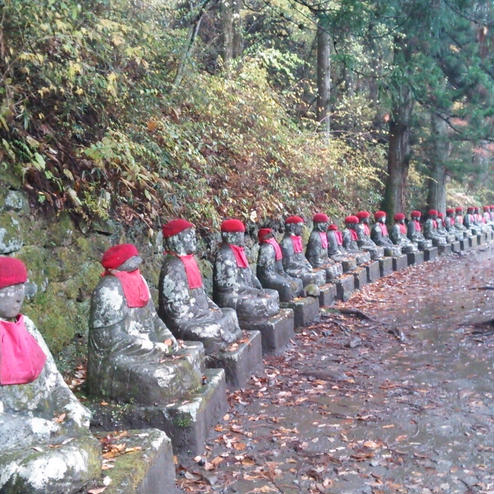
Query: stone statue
270, 270
317, 248
469, 221
442, 230
336, 250
294, 261
491, 213
486, 216
45, 444
449, 224
480, 220
398, 234
430, 229
364, 241
234, 284
350, 235
414, 231
459, 222
380, 236
130, 348
183, 302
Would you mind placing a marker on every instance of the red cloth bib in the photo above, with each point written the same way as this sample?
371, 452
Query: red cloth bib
21, 358
192, 271
240, 257
459, 219
353, 234
134, 286
403, 228
384, 229
297, 244
366, 229
434, 222
276, 246
418, 226
339, 237
324, 240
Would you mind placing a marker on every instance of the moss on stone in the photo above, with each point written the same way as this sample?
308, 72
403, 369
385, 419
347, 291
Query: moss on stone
11, 238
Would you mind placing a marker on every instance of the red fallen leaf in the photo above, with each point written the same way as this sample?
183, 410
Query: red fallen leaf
60, 418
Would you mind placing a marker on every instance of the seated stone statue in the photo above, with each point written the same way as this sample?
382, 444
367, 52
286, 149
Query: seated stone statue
336, 250
294, 261
130, 347
234, 284
350, 236
431, 229
183, 302
459, 222
414, 231
486, 216
317, 248
491, 213
398, 234
480, 220
469, 221
450, 224
270, 270
380, 236
45, 442
441, 228
364, 241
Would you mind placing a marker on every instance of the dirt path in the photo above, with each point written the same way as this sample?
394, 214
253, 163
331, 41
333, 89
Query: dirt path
352, 409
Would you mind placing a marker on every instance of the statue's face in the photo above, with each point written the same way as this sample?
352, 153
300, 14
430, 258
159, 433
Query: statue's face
182, 243
321, 226
130, 264
11, 299
235, 238
295, 228
365, 220
382, 220
350, 225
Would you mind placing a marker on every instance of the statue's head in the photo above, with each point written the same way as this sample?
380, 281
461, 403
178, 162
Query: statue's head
440, 215
459, 210
233, 232
486, 209
470, 210
13, 276
321, 222
415, 215
333, 227
122, 257
450, 212
477, 210
380, 216
179, 237
294, 225
432, 213
351, 222
399, 218
264, 234
363, 217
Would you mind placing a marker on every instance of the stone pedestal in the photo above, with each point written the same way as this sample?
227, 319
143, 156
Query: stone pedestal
373, 271
327, 295
360, 278
482, 238
455, 246
362, 258
305, 310
386, 266
430, 254
344, 287
349, 265
415, 258
444, 249
474, 241
240, 360
400, 262
275, 331
464, 244
147, 470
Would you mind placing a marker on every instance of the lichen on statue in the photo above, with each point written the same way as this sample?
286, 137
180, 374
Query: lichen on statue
350, 240
380, 236
450, 224
414, 231
364, 241
270, 271
183, 302
44, 430
234, 283
398, 234
442, 230
469, 221
431, 229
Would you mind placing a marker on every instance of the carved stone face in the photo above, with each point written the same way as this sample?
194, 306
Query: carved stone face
11, 299
294, 228
382, 220
182, 243
365, 220
235, 238
351, 226
321, 226
130, 264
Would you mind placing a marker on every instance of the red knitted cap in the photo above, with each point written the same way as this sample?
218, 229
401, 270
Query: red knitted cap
440, 215
458, 209
399, 216
333, 227
486, 208
351, 219
176, 226
416, 214
320, 218
232, 225
450, 210
477, 209
263, 232
294, 219
118, 254
12, 271
362, 214
379, 214
432, 212
469, 209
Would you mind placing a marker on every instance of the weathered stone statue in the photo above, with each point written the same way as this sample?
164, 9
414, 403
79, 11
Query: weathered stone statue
459, 222
491, 212
480, 220
45, 444
380, 236
336, 250
430, 229
414, 231
270, 270
398, 234
183, 302
364, 241
294, 261
442, 230
350, 236
317, 248
234, 284
469, 221
486, 216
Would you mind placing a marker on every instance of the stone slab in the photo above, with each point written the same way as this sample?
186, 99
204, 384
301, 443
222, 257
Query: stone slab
415, 258
344, 287
360, 278
482, 238
386, 266
430, 254
362, 258
455, 246
147, 469
276, 331
444, 249
373, 271
400, 262
327, 295
474, 241
240, 360
305, 310
464, 244
348, 265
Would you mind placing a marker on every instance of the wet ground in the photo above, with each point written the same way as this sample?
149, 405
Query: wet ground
398, 403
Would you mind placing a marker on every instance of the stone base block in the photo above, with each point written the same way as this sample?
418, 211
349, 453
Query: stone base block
455, 246
349, 265
392, 251
305, 310
187, 422
362, 258
483, 238
444, 249
464, 244
373, 271
276, 331
149, 469
400, 262
360, 278
415, 258
474, 241
344, 287
386, 266
327, 295
240, 360
430, 254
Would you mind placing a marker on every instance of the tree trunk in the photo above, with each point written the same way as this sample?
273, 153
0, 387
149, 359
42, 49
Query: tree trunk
323, 72
232, 35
